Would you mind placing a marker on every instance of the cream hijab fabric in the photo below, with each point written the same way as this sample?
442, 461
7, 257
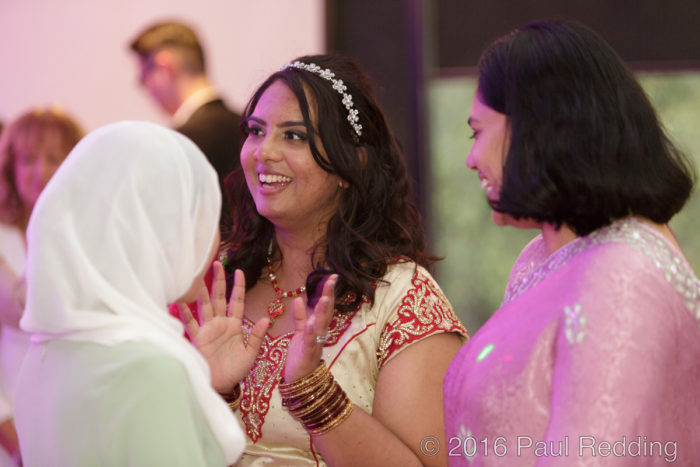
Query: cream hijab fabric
121, 230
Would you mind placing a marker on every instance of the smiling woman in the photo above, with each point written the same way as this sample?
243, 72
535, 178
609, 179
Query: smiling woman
289, 188
325, 217
491, 135
598, 336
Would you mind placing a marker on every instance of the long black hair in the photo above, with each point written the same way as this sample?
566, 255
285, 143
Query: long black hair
375, 223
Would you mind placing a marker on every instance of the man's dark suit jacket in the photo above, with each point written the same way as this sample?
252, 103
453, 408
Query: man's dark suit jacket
215, 129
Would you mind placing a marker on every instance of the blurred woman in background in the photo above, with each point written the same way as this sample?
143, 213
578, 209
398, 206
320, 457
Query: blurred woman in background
31, 149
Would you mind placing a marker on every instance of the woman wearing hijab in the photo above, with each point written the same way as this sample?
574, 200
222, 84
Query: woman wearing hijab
109, 378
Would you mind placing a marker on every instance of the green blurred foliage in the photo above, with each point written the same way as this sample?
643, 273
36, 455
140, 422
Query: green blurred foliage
478, 254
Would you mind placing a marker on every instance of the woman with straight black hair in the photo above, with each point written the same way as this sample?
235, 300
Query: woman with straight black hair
594, 354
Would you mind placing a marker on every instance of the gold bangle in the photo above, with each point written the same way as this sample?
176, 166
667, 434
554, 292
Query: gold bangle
304, 391
235, 404
326, 413
233, 399
308, 391
335, 422
313, 378
316, 403
297, 399
316, 400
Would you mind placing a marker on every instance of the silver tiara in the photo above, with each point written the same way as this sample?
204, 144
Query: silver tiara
338, 85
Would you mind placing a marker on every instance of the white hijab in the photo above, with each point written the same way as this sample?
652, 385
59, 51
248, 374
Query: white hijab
121, 230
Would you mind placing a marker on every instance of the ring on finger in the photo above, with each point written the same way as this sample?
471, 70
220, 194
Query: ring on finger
323, 339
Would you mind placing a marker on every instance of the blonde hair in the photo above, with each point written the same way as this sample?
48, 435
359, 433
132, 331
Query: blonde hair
22, 135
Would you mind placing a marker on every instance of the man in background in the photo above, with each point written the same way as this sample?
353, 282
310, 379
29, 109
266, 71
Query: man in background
173, 71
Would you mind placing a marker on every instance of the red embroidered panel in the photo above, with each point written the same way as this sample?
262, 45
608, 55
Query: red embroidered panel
423, 311
261, 381
263, 378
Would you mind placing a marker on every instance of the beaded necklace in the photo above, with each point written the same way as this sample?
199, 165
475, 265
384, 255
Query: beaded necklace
276, 307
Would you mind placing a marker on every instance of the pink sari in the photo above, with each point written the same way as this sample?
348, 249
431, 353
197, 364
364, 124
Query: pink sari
592, 359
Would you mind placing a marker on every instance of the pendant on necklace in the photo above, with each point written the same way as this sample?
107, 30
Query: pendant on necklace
275, 308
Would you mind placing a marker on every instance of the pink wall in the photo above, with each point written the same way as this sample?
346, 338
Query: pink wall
74, 53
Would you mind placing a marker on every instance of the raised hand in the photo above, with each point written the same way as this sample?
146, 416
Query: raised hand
218, 335
304, 351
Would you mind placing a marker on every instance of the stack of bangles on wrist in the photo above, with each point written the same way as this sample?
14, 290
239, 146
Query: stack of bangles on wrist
233, 399
316, 400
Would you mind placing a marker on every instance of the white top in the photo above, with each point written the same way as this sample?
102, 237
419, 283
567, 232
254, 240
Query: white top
13, 342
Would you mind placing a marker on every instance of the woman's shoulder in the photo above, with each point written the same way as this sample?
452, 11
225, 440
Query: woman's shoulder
531, 256
404, 270
637, 249
627, 244
632, 265
633, 241
410, 308
403, 277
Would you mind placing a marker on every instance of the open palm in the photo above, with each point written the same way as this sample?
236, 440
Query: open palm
304, 352
219, 336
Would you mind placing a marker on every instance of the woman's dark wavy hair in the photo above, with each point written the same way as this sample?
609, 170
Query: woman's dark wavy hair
586, 146
375, 223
